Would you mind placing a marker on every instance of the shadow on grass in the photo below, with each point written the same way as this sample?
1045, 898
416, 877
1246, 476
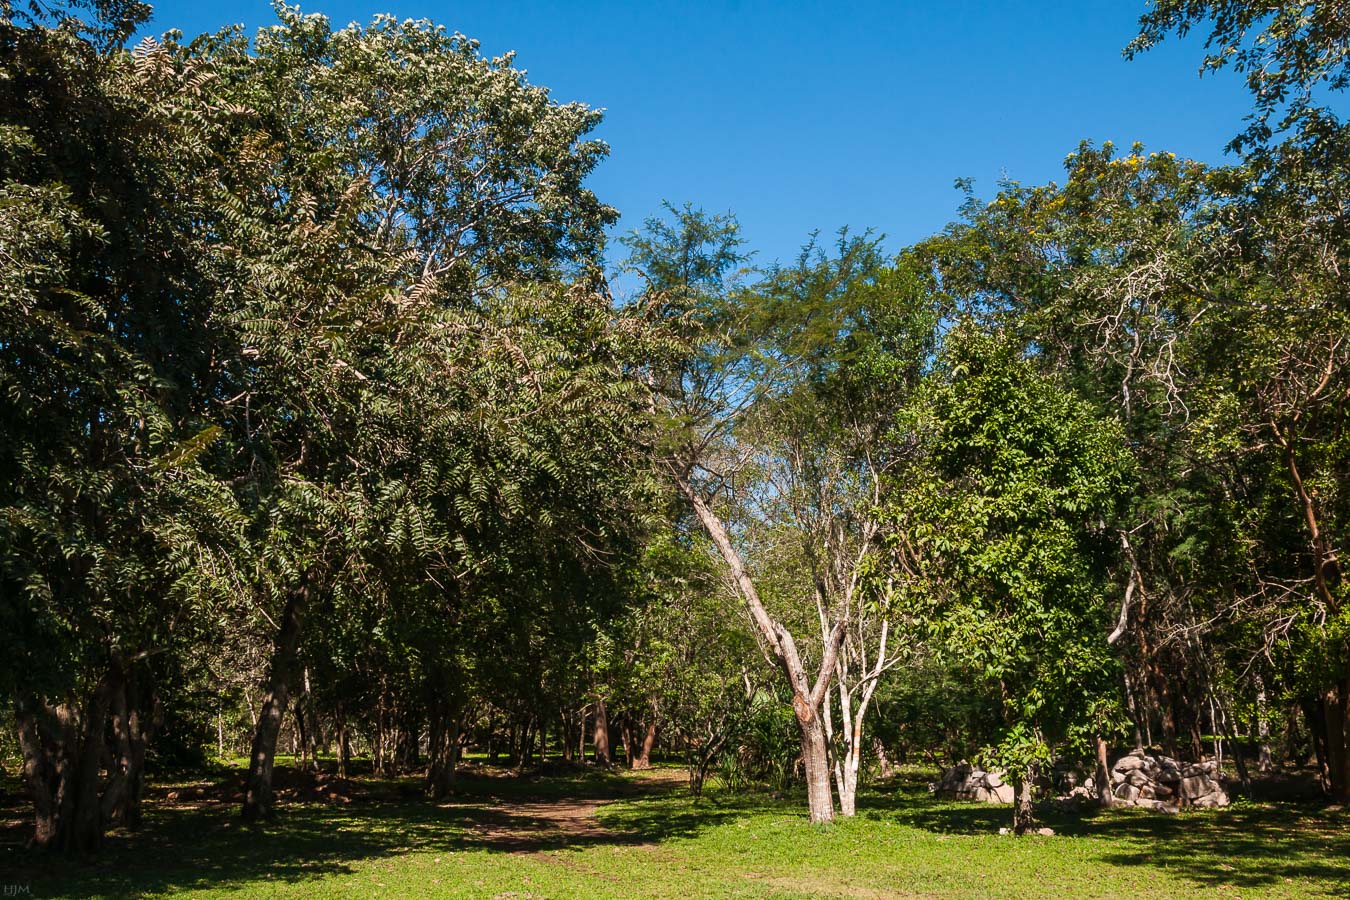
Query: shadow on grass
1248, 845
195, 839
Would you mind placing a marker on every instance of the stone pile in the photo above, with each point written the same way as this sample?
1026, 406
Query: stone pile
1159, 782
964, 782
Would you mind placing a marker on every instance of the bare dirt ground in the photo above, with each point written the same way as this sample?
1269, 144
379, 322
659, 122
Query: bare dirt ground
534, 824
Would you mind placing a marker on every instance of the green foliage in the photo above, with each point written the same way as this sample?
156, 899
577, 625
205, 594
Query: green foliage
1285, 50
1003, 523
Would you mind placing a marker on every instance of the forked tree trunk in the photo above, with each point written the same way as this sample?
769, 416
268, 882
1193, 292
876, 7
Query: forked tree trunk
807, 697
848, 767
258, 797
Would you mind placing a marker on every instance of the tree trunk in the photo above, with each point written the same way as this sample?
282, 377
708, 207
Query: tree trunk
1336, 714
626, 739
1024, 811
1314, 714
816, 763
644, 757
47, 736
1105, 797
132, 728
1263, 763
442, 751
602, 756
807, 698
258, 799
307, 758
884, 767
63, 751
344, 745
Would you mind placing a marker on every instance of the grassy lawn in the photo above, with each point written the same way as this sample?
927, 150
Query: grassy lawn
592, 835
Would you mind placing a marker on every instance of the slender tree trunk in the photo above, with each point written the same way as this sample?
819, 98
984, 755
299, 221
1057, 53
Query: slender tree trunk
1136, 714
258, 799
1024, 811
884, 767
1105, 797
1336, 713
581, 734
807, 698
1262, 727
308, 757
344, 746
626, 739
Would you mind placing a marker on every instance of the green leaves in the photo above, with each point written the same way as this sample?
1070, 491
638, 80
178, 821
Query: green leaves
1001, 521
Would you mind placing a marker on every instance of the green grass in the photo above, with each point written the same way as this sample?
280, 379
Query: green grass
499, 839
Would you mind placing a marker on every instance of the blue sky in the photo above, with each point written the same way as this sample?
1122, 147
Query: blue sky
799, 116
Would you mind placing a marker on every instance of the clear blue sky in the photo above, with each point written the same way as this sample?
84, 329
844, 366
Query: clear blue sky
812, 115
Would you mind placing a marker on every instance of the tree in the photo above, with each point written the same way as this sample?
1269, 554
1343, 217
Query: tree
105, 348
414, 184
1285, 49
1002, 536
775, 413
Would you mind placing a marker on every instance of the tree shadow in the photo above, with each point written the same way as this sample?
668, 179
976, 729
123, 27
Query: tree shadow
1247, 846
195, 840
1252, 846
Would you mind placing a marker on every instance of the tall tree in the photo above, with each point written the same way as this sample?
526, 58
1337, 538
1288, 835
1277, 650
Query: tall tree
1003, 538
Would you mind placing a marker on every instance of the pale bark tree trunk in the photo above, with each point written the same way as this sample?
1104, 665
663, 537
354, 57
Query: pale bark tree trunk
1024, 811
847, 767
258, 799
1263, 763
807, 698
1105, 797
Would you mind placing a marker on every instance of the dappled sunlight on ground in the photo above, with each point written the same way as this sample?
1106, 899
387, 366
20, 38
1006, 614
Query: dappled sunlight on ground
583, 831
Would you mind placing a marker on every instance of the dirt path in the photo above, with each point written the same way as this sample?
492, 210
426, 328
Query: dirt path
532, 826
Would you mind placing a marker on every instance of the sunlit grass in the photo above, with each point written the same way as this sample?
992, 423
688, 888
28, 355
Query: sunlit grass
653, 840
